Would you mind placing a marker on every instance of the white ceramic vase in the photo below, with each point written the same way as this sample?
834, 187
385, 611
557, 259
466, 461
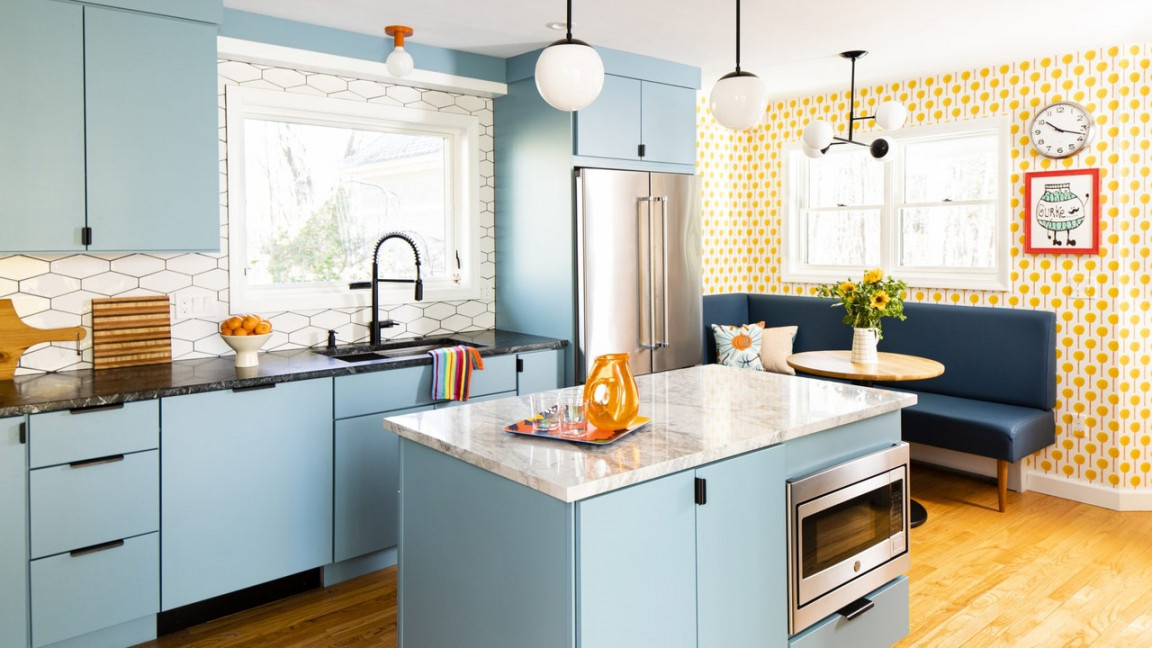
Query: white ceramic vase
864, 345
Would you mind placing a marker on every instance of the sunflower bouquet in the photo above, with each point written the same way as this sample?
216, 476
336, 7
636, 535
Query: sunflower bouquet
869, 300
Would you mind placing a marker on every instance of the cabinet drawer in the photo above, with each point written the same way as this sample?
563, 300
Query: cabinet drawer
498, 375
76, 594
75, 435
382, 391
73, 506
881, 627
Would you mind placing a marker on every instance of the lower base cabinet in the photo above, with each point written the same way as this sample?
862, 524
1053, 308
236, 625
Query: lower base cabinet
882, 626
246, 488
13, 534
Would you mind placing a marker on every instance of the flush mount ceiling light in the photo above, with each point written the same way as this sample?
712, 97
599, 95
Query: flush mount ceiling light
739, 98
569, 73
399, 61
818, 136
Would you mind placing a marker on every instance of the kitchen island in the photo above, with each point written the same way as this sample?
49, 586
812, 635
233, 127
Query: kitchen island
513, 541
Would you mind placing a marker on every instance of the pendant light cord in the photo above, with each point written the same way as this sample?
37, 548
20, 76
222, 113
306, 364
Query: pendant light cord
737, 36
852, 101
569, 23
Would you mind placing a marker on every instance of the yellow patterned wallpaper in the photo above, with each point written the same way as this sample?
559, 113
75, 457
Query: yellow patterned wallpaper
1102, 302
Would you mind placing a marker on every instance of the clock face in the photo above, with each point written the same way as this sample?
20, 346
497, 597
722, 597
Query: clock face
1061, 130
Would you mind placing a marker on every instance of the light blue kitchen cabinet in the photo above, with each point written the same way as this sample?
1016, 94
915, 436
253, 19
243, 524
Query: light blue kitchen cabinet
13, 533
539, 371
93, 502
367, 480
246, 488
631, 544
118, 151
880, 627
42, 125
642, 565
639, 120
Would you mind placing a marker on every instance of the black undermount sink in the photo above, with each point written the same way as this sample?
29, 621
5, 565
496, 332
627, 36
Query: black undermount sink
391, 350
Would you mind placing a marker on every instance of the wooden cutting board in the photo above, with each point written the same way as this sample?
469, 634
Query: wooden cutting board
131, 331
16, 337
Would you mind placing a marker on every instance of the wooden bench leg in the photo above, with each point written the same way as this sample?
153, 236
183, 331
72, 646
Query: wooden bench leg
1002, 482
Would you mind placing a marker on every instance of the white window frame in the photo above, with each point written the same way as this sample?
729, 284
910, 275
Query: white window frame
996, 278
463, 153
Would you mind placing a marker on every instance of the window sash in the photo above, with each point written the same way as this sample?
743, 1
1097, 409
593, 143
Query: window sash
798, 215
462, 236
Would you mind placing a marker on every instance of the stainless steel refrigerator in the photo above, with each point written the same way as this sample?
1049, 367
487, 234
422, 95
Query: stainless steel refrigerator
638, 241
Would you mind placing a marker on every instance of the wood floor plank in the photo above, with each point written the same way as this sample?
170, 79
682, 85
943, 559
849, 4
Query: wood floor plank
1047, 573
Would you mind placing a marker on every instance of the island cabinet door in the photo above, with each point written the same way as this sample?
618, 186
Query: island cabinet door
636, 566
741, 564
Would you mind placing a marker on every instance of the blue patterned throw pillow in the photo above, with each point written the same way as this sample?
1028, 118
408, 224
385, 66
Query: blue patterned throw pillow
738, 346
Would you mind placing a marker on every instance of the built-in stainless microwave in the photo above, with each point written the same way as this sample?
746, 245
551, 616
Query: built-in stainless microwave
847, 535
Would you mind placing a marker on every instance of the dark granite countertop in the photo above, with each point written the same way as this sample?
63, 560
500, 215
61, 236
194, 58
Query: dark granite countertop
33, 393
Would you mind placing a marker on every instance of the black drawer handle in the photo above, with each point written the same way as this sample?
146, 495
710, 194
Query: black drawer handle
97, 461
855, 608
253, 387
96, 408
103, 546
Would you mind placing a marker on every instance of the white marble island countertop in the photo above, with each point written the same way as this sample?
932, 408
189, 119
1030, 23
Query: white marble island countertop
699, 415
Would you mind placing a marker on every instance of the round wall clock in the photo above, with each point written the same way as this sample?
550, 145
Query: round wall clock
1062, 129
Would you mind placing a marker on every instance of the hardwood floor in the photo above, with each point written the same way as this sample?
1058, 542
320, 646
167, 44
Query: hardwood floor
1049, 572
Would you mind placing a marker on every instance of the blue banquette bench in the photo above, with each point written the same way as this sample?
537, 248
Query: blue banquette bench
996, 397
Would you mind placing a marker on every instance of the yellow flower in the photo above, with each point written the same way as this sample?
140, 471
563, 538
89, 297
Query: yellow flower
847, 288
874, 276
880, 300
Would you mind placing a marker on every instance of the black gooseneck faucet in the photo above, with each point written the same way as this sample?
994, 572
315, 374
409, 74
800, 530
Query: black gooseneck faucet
376, 325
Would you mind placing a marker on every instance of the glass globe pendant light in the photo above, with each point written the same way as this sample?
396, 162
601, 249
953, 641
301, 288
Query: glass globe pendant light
399, 62
569, 73
739, 98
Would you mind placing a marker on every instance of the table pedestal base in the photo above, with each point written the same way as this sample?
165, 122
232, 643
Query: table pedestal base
918, 514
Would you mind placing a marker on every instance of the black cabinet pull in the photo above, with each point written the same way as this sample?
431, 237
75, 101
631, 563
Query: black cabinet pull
641, 150
97, 461
855, 608
23, 433
701, 491
96, 408
519, 365
253, 387
103, 546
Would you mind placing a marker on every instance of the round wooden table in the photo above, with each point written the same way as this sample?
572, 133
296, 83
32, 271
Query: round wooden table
892, 367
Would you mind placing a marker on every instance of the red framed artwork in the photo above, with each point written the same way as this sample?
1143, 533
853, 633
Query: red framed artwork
1063, 212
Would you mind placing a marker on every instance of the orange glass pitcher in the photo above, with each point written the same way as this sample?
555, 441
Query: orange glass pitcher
610, 393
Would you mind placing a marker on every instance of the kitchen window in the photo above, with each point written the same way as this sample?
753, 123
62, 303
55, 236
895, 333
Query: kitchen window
314, 182
934, 215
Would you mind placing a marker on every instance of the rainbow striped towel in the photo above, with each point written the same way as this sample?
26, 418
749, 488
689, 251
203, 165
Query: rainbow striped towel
452, 371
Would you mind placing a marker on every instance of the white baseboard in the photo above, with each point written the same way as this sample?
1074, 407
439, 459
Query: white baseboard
1129, 499
1021, 479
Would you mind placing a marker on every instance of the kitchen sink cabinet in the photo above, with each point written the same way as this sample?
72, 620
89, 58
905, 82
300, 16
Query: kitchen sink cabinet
639, 120
366, 469
13, 533
246, 488
118, 150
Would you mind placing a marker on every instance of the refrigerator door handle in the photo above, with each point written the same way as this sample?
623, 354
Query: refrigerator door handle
663, 201
647, 307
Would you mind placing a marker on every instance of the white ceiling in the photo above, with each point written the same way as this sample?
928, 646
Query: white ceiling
791, 44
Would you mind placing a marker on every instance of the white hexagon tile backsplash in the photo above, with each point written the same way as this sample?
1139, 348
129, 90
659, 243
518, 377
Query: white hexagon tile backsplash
53, 290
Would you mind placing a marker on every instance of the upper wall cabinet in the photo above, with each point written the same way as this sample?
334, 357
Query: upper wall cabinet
109, 121
639, 120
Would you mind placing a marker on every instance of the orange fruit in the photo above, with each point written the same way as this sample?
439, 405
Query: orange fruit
240, 331
263, 328
224, 330
250, 322
232, 323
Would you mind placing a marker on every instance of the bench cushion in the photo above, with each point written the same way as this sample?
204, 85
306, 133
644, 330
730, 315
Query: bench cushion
996, 430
